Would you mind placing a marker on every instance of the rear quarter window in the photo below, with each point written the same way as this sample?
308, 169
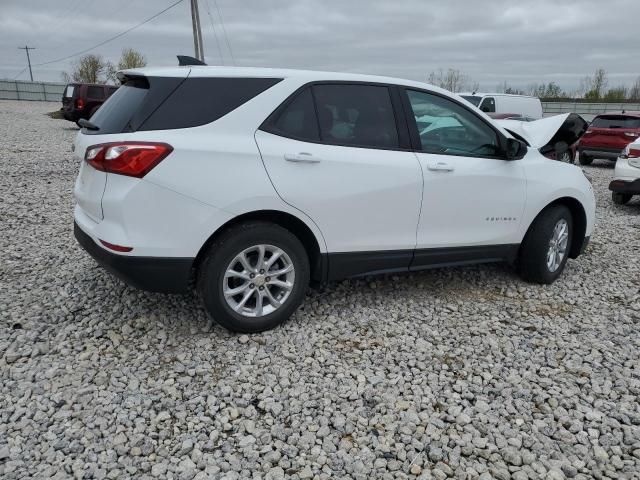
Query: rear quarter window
165, 103
198, 101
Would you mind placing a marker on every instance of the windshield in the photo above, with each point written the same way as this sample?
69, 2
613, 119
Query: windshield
473, 99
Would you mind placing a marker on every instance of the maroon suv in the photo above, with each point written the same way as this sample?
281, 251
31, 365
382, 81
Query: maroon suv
81, 100
607, 136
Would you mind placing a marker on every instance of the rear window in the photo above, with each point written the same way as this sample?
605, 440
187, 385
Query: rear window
95, 92
164, 103
615, 121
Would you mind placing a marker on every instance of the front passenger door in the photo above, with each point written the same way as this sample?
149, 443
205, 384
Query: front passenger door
473, 197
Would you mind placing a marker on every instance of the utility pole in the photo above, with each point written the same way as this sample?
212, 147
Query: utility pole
26, 49
197, 31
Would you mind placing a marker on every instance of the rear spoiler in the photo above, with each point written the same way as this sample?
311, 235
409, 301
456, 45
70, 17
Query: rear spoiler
184, 60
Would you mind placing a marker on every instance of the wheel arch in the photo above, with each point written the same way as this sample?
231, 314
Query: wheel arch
317, 261
579, 217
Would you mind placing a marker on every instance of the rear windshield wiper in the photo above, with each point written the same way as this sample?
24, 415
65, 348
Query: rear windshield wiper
84, 123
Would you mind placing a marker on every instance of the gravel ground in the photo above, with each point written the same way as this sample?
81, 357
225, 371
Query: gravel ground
464, 373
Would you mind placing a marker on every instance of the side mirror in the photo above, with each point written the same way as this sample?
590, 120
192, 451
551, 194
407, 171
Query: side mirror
515, 149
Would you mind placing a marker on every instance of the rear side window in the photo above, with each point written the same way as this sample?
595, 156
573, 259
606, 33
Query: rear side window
615, 121
95, 92
164, 103
298, 120
198, 101
356, 115
68, 92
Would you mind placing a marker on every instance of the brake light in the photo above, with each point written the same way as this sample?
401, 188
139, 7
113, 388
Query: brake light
133, 159
629, 152
79, 104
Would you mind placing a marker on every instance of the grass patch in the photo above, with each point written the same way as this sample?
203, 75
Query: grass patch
56, 114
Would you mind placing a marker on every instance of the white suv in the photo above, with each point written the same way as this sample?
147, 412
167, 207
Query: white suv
254, 183
626, 176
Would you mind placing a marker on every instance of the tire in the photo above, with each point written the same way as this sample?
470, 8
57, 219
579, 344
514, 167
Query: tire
585, 160
620, 198
224, 255
566, 157
535, 250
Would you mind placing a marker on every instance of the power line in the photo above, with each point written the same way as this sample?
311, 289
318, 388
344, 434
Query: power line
20, 73
110, 39
215, 35
224, 31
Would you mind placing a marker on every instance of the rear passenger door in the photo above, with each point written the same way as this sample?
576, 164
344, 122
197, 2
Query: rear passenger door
336, 152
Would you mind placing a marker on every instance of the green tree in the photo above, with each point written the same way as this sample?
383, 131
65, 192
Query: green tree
90, 68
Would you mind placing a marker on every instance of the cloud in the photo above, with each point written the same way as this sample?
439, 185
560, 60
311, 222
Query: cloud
491, 41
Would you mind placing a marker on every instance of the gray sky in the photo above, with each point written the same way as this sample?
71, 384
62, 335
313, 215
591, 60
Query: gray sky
520, 41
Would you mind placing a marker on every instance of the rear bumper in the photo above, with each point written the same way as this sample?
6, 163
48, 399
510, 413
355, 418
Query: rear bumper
600, 152
72, 116
155, 274
630, 187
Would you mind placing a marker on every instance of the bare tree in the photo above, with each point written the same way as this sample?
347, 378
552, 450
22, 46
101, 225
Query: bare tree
634, 91
129, 58
452, 80
595, 86
90, 69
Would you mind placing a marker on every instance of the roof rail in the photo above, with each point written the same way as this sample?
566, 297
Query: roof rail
184, 60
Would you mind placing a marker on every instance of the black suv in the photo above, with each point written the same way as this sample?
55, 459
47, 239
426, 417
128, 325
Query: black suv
81, 100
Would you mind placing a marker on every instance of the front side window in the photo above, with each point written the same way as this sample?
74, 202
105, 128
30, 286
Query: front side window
445, 127
356, 115
488, 105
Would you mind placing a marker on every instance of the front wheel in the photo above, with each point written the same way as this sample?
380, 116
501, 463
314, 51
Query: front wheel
620, 198
254, 277
545, 249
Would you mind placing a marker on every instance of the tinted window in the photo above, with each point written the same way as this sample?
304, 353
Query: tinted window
115, 114
488, 105
448, 128
473, 99
95, 92
298, 119
162, 103
615, 121
356, 115
198, 101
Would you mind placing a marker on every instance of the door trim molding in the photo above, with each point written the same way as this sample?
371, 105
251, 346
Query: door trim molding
357, 264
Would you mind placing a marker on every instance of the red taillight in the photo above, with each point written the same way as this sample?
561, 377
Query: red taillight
79, 104
116, 248
134, 159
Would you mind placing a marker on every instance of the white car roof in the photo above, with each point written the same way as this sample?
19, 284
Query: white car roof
259, 72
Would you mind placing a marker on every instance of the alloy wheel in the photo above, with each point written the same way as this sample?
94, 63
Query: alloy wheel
258, 281
558, 245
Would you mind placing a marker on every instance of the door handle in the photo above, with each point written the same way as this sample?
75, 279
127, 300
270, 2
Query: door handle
440, 166
302, 157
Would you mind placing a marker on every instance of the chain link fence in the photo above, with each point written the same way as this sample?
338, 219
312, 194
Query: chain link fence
39, 91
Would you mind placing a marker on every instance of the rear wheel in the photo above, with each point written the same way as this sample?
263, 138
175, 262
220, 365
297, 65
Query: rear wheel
620, 198
254, 277
566, 157
545, 249
585, 159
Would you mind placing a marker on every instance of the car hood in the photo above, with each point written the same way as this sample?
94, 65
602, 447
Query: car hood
547, 132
